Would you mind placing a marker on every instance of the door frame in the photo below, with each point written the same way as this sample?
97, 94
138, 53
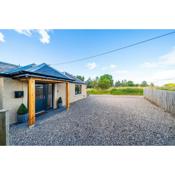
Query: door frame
45, 97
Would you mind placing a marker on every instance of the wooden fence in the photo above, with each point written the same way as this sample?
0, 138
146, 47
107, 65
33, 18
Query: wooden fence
162, 98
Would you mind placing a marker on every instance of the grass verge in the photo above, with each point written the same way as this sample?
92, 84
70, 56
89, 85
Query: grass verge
117, 91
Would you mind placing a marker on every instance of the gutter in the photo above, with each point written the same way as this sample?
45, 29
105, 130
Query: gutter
37, 75
4, 75
33, 73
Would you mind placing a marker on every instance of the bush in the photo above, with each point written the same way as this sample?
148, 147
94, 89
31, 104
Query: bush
22, 110
59, 100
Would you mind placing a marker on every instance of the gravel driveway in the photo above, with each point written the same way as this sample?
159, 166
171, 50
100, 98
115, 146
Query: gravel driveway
101, 120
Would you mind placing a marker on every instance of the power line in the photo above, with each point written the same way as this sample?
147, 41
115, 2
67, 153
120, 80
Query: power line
115, 50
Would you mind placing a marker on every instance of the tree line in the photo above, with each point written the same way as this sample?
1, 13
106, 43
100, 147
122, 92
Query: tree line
106, 81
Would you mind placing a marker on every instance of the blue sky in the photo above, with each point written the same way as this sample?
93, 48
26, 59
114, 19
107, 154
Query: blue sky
153, 61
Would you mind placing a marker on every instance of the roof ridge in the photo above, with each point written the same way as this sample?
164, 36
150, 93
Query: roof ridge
55, 69
18, 68
37, 67
9, 63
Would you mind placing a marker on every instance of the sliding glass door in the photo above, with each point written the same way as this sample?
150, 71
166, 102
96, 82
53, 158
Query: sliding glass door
49, 96
43, 97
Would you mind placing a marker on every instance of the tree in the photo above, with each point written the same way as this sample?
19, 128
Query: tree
105, 81
117, 83
130, 83
89, 83
95, 82
80, 77
144, 84
124, 83
152, 84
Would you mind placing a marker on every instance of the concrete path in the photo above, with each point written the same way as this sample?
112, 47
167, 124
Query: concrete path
101, 120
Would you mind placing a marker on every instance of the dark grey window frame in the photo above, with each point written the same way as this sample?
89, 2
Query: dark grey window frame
78, 89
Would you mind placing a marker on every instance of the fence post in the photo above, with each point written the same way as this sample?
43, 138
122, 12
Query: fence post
4, 128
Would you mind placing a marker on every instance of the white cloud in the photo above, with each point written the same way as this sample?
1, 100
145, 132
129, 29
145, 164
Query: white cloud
163, 77
135, 76
1, 38
44, 36
112, 66
24, 32
104, 68
91, 66
164, 74
163, 61
150, 65
120, 74
168, 59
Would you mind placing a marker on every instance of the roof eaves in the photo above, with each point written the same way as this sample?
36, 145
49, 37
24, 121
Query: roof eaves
35, 76
4, 75
76, 80
68, 75
39, 74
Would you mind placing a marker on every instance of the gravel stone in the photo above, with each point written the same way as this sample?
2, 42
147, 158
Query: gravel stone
100, 120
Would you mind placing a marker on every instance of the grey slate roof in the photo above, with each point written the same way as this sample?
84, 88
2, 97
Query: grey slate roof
19, 69
6, 66
46, 70
42, 70
76, 80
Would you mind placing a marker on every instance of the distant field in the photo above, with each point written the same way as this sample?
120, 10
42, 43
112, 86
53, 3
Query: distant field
118, 91
168, 87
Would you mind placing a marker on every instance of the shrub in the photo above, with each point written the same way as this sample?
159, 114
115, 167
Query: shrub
22, 109
59, 100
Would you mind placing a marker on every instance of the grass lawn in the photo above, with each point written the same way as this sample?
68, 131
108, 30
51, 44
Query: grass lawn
118, 91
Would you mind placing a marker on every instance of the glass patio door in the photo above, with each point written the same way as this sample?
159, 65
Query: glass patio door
43, 97
49, 96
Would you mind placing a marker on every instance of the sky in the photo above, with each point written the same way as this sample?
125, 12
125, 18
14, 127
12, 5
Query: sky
153, 61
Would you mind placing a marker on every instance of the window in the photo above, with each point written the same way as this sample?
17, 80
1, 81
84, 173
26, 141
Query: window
77, 89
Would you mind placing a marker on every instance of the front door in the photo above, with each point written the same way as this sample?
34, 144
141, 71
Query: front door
43, 97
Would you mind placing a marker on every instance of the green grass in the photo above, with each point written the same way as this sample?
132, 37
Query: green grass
168, 87
117, 91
